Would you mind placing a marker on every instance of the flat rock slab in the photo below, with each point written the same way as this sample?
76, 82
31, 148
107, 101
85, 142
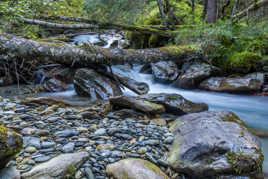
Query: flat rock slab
246, 84
214, 143
136, 104
175, 103
58, 167
135, 169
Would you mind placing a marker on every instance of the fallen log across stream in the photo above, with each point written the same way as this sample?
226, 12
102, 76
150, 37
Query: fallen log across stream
13, 47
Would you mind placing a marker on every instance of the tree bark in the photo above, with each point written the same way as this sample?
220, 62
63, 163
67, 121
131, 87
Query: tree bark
13, 48
212, 11
161, 10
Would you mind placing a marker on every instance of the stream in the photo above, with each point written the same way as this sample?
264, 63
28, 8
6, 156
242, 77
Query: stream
253, 110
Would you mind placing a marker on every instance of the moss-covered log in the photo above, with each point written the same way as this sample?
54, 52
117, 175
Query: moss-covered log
100, 25
253, 7
13, 47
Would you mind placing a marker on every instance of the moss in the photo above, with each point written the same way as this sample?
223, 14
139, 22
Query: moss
181, 50
239, 160
153, 40
173, 97
153, 168
70, 172
244, 62
234, 118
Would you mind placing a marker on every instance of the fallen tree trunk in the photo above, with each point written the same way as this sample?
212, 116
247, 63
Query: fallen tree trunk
253, 7
12, 47
98, 25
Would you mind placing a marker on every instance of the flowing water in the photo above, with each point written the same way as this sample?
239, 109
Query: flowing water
253, 110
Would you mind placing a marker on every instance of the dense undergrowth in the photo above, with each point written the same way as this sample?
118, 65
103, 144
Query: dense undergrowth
12, 10
234, 48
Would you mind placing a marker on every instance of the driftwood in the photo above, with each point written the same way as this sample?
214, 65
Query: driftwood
12, 47
135, 86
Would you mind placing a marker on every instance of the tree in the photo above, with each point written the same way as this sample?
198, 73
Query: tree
212, 10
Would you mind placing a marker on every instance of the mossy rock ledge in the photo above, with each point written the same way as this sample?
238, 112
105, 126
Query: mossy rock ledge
212, 144
11, 144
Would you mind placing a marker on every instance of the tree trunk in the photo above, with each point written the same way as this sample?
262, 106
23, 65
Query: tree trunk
212, 11
161, 10
12, 48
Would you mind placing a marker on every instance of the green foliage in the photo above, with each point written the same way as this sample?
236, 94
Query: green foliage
119, 11
10, 12
232, 48
244, 61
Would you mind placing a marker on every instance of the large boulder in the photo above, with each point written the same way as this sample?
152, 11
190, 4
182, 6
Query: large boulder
193, 75
89, 83
165, 71
62, 166
214, 143
10, 173
175, 103
11, 144
246, 84
137, 104
135, 169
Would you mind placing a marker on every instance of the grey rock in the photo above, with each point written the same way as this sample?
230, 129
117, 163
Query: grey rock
9, 173
57, 167
32, 141
212, 143
175, 103
165, 71
193, 74
68, 147
128, 169
246, 84
89, 83
67, 133
100, 132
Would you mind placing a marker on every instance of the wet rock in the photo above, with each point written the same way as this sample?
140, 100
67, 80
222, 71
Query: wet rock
67, 133
54, 85
135, 169
11, 144
68, 147
193, 74
140, 105
245, 84
61, 166
89, 83
165, 71
147, 69
175, 103
213, 143
9, 173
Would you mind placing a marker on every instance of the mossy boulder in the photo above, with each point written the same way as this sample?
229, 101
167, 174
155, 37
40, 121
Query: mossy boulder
175, 103
11, 144
135, 169
91, 84
214, 143
247, 84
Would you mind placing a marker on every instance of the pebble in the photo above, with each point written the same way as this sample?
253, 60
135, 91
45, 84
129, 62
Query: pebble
68, 148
